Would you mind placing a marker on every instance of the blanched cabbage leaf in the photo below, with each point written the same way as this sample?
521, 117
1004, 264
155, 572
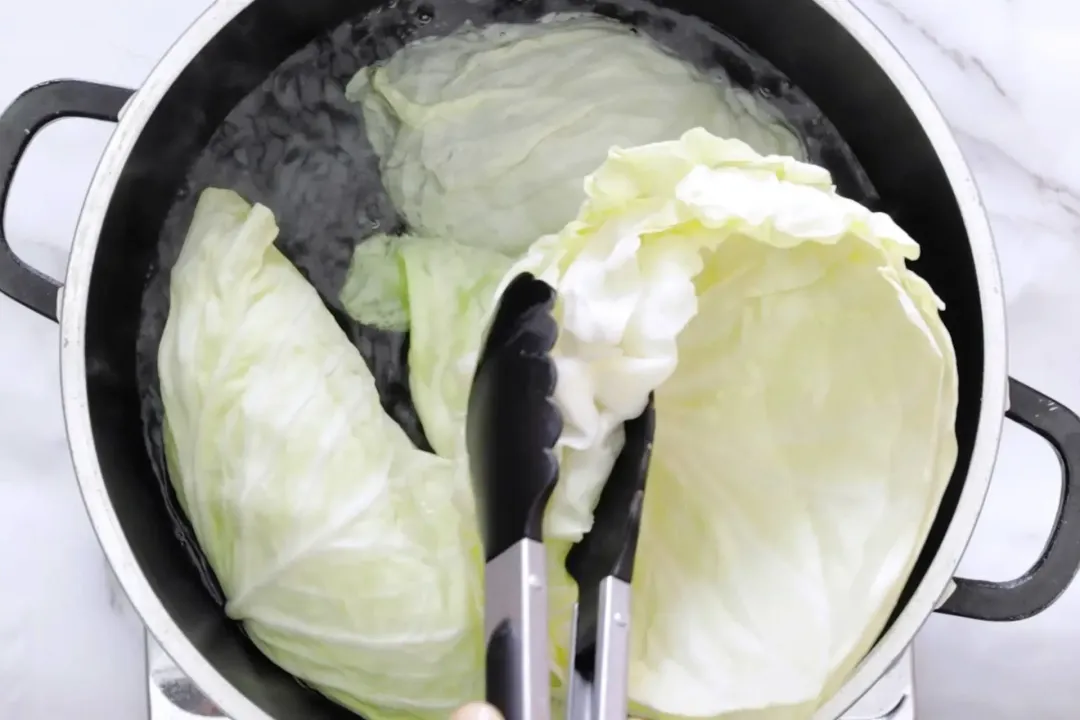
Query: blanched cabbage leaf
350, 556
453, 289
803, 442
805, 408
484, 135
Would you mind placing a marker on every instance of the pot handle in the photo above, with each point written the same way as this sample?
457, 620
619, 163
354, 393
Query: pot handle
1056, 567
25, 118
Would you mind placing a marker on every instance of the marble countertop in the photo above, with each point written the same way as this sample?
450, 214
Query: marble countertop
1003, 71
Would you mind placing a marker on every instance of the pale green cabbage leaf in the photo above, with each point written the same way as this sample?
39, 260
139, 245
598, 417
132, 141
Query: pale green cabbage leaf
806, 396
350, 556
484, 135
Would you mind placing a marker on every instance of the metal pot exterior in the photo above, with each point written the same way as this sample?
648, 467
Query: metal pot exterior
938, 589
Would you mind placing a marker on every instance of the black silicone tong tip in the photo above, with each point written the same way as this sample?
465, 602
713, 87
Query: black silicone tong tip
512, 424
608, 549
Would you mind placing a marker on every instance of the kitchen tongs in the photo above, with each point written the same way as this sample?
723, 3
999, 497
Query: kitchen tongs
512, 427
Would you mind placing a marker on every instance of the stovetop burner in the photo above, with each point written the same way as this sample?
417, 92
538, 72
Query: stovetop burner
174, 697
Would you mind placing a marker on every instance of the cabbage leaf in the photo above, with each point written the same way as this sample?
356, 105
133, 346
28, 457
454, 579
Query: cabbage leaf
484, 135
350, 556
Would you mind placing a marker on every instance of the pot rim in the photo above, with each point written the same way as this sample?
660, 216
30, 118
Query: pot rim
73, 304
937, 584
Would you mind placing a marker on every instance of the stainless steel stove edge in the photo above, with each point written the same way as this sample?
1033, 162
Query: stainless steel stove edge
173, 696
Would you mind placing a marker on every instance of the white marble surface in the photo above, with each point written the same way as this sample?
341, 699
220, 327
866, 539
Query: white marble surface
1007, 76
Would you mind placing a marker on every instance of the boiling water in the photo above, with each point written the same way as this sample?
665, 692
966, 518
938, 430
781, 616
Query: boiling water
296, 145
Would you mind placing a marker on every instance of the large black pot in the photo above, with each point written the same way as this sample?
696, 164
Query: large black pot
825, 47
